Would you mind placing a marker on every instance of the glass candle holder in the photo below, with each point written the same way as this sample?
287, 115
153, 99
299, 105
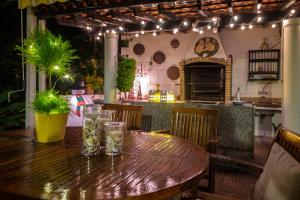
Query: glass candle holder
91, 133
104, 116
114, 137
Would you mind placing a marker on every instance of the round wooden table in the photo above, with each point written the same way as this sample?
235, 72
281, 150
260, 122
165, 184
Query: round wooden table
152, 166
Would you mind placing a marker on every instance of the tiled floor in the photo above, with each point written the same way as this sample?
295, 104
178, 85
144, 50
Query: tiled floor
238, 184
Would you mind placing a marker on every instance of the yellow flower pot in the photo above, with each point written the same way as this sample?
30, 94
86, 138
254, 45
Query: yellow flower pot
50, 127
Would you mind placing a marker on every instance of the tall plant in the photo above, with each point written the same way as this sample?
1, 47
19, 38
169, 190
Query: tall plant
48, 53
126, 74
53, 55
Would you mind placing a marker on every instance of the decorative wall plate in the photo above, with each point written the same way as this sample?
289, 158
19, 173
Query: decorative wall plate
138, 49
173, 72
206, 47
159, 57
175, 43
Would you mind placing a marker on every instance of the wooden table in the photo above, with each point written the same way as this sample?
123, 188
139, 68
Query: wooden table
153, 166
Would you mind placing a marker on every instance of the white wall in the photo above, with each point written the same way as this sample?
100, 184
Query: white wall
231, 42
237, 43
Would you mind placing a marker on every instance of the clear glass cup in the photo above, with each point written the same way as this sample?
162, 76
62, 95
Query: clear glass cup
114, 137
91, 133
104, 116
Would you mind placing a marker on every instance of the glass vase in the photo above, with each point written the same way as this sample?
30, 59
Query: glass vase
114, 137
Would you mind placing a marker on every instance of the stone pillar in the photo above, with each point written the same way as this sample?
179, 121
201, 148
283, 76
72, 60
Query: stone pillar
291, 73
110, 67
42, 74
30, 73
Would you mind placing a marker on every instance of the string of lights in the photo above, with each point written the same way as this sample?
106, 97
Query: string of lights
213, 24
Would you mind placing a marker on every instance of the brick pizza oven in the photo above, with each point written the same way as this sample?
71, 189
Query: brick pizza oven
205, 79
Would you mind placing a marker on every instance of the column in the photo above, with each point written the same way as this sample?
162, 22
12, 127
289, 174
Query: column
291, 73
42, 74
30, 73
110, 67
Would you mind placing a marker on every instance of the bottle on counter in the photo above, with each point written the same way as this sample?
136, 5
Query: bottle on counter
238, 94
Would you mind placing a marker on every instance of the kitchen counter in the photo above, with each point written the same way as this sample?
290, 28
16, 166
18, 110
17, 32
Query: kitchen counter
236, 124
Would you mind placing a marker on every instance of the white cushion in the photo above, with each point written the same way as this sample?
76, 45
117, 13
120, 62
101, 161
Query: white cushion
280, 179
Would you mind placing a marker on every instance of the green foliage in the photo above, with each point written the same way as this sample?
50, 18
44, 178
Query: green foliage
48, 53
11, 114
49, 102
126, 74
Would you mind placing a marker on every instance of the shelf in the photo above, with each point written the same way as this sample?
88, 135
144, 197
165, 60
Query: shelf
264, 60
270, 72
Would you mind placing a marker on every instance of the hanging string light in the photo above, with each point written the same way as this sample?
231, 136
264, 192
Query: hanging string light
136, 35
235, 17
201, 31
231, 25
175, 30
250, 26
243, 27
154, 34
259, 18
142, 32
273, 25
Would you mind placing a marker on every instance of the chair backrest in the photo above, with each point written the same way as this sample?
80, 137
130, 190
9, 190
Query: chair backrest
290, 141
194, 124
131, 114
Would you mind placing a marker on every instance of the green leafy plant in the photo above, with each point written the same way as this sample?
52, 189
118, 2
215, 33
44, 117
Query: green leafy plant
11, 115
50, 102
48, 53
126, 74
53, 55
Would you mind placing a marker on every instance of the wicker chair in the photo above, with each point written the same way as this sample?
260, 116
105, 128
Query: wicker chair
131, 114
199, 126
288, 140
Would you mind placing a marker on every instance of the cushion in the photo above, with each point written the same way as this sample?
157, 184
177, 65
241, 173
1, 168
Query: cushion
280, 179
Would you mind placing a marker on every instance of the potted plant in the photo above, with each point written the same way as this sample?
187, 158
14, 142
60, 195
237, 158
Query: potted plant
126, 75
53, 55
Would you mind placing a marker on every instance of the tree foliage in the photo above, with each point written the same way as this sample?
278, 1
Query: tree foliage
126, 74
48, 53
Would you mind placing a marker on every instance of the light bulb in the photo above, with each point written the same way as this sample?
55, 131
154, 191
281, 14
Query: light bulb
121, 28
195, 29
175, 30
99, 33
136, 35
56, 67
250, 26
97, 38
185, 23
107, 31
231, 25
258, 6
273, 25
201, 31
113, 31
142, 32
215, 30
66, 76
214, 19
154, 34
292, 11
259, 19
157, 26
242, 27
209, 27
161, 20
143, 22
235, 17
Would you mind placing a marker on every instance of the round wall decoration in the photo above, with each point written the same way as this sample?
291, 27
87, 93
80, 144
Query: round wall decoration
206, 47
139, 49
175, 43
173, 73
159, 57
